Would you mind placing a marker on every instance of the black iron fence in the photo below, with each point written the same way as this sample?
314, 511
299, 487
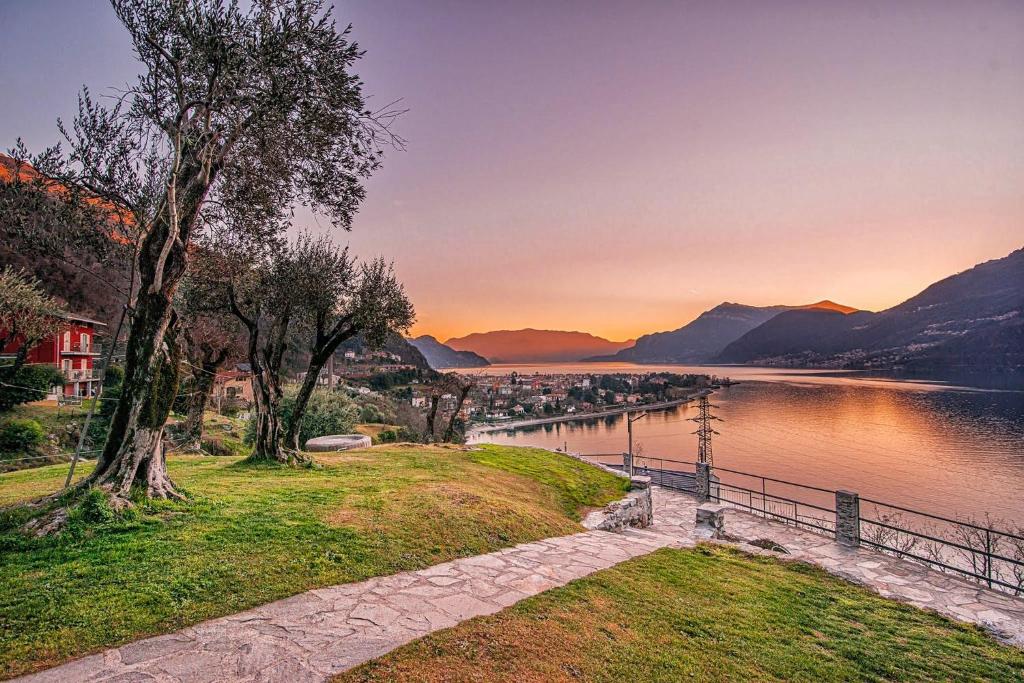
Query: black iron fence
978, 551
982, 552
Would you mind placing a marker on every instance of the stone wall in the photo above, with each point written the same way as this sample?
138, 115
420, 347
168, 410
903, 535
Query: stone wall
636, 510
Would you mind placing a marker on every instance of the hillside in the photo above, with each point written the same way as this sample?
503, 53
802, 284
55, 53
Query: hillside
395, 343
526, 346
440, 356
82, 283
702, 339
971, 320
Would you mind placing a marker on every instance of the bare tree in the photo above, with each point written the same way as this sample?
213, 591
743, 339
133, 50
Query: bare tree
341, 300
978, 544
236, 111
897, 542
456, 385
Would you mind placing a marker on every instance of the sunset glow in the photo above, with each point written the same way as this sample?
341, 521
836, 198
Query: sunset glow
618, 168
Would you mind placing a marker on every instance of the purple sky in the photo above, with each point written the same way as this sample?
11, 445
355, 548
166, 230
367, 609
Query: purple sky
617, 167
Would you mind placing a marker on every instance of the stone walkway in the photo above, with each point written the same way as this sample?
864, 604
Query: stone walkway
311, 636
999, 613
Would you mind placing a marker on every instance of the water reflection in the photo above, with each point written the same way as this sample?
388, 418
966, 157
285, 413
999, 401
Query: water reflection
925, 445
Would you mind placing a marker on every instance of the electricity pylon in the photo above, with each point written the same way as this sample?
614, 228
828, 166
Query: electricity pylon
704, 430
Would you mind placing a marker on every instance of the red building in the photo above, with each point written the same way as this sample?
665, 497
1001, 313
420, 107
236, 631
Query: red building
73, 350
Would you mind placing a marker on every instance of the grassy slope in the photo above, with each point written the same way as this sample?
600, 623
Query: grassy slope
253, 535
53, 421
704, 614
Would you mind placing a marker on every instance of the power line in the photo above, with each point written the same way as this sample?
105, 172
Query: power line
704, 430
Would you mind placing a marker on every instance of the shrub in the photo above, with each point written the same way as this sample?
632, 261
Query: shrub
31, 383
371, 413
400, 435
328, 412
21, 436
95, 509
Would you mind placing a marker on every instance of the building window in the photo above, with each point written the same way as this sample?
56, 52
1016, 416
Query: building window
85, 342
67, 341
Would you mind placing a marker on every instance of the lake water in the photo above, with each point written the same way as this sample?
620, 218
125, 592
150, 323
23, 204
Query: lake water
946, 448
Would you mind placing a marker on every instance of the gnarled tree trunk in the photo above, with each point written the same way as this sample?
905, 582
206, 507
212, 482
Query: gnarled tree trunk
134, 454
267, 392
140, 456
203, 377
321, 354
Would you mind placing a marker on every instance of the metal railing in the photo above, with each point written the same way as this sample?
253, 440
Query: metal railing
79, 347
980, 552
81, 375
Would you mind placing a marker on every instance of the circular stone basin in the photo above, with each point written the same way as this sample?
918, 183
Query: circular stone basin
338, 442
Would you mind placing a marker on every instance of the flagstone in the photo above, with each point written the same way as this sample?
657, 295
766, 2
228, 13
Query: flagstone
313, 635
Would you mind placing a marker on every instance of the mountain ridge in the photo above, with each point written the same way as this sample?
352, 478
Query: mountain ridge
441, 356
533, 345
973, 319
701, 339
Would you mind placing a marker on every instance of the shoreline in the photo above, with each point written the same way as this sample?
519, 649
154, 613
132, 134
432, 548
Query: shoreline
476, 430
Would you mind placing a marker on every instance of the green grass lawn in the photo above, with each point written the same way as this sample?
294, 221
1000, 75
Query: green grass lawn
251, 535
709, 614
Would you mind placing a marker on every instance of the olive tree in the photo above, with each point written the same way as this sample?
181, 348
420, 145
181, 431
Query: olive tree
212, 338
238, 109
341, 300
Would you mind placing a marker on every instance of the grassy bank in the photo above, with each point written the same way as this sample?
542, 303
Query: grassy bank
256, 534
705, 614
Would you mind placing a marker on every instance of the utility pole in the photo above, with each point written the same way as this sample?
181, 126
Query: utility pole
704, 430
630, 419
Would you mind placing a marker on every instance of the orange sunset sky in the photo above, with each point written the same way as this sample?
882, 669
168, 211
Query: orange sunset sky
619, 167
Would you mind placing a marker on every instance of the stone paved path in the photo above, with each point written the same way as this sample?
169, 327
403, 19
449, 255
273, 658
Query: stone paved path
999, 613
311, 636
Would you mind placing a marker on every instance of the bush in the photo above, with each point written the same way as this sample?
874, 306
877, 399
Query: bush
32, 383
328, 412
21, 436
371, 414
400, 435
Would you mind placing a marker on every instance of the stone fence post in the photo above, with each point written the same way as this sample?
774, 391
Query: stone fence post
627, 463
848, 518
703, 481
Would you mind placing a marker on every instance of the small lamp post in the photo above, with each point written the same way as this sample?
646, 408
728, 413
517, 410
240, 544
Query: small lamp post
630, 419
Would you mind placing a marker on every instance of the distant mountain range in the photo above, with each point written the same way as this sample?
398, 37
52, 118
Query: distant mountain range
525, 346
705, 337
441, 356
970, 321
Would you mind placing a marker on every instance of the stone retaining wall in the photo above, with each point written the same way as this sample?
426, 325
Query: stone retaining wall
636, 510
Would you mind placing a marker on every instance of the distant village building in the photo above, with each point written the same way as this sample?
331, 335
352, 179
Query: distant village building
233, 387
72, 350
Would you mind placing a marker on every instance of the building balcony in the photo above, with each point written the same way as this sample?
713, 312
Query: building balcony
79, 348
81, 375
